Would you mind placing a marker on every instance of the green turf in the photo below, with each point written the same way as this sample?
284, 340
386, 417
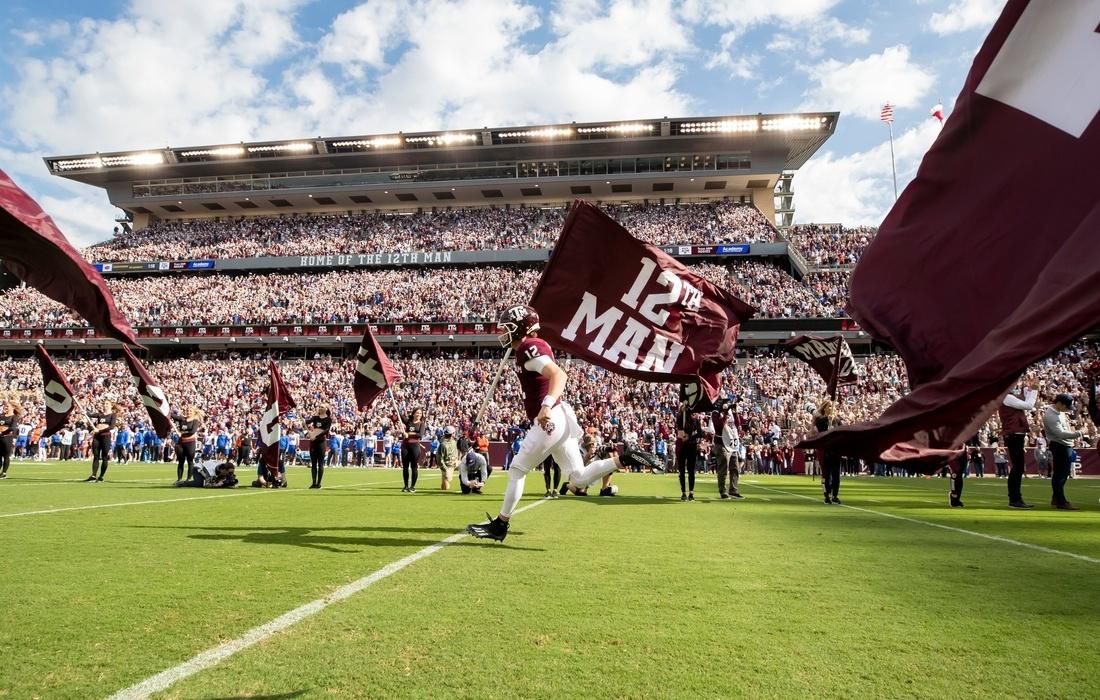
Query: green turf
639, 596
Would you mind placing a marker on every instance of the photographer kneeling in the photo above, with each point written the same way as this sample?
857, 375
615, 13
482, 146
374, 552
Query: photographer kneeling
473, 470
211, 474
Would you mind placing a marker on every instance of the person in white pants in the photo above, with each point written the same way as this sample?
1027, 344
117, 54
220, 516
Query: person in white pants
554, 430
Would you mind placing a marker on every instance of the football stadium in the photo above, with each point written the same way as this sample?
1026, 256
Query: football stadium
561, 409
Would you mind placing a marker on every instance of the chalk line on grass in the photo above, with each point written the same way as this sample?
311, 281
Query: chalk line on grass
995, 538
212, 657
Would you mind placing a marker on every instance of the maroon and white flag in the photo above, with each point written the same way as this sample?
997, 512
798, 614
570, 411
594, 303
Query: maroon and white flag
152, 396
629, 307
831, 358
974, 274
36, 251
279, 401
60, 397
374, 373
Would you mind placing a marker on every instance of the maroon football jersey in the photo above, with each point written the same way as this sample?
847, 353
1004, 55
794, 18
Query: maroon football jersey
531, 356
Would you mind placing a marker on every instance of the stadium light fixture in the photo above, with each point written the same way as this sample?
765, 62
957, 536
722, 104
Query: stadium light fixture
295, 147
725, 126
623, 129
547, 133
380, 142
109, 161
794, 124
443, 139
223, 152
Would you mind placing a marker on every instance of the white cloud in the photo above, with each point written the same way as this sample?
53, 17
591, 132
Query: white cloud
363, 34
861, 87
857, 189
190, 72
964, 15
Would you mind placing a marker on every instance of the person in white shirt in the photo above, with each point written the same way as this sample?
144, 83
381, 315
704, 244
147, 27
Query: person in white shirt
66, 444
728, 450
1060, 434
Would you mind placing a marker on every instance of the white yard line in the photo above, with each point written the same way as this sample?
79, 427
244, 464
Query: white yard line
246, 491
995, 538
212, 657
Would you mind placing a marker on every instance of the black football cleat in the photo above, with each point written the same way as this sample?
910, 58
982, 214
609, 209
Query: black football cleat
836, 500
956, 503
90, 479
632, 457
564, 488
495, 529
736, 495
1020, 504
607, 491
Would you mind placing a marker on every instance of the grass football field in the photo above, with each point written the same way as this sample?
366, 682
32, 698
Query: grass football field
641, 596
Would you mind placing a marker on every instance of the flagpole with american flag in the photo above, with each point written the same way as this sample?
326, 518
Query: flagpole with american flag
887, 116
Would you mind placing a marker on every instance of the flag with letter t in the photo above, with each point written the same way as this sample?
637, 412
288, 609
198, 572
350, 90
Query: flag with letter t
374, 373
631, 308
279, 401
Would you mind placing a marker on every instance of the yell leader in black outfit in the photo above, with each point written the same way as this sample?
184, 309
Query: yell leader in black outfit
102, 424
415, 427
188, 425
9, 417
317, 430
824, 420
689, 431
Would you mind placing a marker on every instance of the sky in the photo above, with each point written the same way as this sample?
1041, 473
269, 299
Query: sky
81, 77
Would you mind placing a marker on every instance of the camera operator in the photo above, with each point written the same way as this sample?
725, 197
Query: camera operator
727, 448
211, 474
473, 470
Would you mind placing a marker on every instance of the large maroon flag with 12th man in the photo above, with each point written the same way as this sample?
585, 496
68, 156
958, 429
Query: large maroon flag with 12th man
629, 307
990, 260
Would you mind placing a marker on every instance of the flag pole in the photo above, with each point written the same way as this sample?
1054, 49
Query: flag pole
893, 170
492, 387
835, 380
389, 390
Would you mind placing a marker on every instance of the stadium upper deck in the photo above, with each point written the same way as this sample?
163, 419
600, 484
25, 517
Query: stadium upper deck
741, 157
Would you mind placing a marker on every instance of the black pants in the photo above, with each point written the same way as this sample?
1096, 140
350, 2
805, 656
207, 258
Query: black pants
1015, 444
830, 475
685, 462
317, 460
185, 452
5, 454
1062, 467
957, 475
551, 466
101, 453
410, 462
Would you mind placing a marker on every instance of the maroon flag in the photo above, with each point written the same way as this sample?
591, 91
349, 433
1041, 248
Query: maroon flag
279, 401
627, 306
374, 373
831, 358
60, 397
156, 403
36, 251
1092, 376
973, 275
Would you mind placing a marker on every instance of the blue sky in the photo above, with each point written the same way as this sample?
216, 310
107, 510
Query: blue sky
84, 77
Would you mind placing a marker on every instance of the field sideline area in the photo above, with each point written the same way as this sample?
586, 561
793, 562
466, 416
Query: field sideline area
891, 595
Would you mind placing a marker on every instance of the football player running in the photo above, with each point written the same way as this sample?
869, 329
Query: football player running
554, 430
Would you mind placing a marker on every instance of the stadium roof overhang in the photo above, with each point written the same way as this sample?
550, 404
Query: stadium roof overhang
682, 157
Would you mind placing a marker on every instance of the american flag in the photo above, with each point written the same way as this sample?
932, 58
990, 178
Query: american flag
887, 113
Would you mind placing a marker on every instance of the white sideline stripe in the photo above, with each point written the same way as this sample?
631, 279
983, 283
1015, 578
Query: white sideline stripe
249, 492
995, 538
212, 657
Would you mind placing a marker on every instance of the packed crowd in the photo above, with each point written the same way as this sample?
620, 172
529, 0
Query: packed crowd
376, 296
461, 229
830, 245
774, 396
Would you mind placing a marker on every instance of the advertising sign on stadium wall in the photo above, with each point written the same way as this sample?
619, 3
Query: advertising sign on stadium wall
321, 260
